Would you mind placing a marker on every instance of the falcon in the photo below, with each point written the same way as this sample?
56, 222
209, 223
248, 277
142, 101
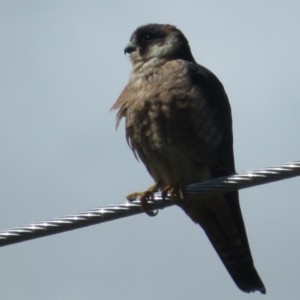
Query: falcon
178, 123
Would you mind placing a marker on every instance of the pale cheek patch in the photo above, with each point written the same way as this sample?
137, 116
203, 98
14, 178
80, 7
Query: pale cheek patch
168, 48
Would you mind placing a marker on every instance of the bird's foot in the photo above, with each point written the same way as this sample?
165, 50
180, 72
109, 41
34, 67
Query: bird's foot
144, 198
175, 192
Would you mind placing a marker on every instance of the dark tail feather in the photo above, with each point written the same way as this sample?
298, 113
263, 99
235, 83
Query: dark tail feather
239, 265
222, 221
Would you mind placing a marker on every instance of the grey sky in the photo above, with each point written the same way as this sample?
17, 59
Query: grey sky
61, 68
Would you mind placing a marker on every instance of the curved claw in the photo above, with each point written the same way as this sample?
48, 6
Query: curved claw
133, 196
151, 213
175, 191
144, 203
144, 198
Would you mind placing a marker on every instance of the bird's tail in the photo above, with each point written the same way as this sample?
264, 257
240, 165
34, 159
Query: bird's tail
223, 224
238, 263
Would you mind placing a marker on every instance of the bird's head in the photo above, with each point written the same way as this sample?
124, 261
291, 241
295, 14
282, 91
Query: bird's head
156, 42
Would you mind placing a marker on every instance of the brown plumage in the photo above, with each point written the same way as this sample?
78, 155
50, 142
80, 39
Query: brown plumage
178, 122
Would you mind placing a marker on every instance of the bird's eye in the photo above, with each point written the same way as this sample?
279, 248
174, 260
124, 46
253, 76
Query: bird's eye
148, 37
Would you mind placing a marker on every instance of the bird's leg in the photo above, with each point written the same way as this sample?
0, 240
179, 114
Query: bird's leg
176, 193
144, 197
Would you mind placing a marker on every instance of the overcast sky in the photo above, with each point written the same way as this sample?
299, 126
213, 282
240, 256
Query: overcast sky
62, 67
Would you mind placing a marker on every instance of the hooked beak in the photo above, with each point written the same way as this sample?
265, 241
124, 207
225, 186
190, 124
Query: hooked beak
130, 48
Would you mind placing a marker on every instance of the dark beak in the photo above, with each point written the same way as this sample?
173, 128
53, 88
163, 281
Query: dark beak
130, 48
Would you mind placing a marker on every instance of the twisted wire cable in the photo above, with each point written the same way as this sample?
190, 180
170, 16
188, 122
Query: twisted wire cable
126, 209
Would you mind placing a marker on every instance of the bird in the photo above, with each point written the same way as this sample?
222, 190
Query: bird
178, 123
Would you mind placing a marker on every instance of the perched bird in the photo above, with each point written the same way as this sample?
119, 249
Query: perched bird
178, 122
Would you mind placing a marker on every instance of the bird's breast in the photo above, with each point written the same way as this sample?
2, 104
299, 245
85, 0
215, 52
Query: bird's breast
168, 123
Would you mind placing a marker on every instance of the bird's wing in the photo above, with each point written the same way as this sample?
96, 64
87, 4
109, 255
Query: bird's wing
227, 213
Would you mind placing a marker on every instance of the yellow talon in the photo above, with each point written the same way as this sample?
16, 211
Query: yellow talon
144, 198
175, 191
